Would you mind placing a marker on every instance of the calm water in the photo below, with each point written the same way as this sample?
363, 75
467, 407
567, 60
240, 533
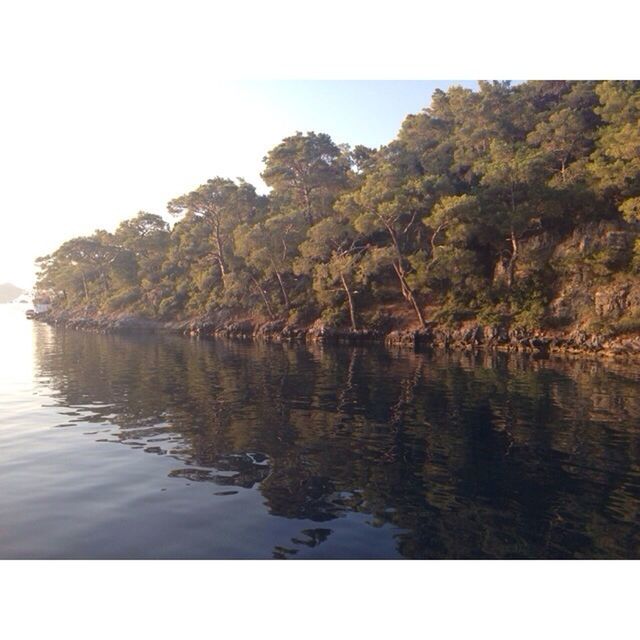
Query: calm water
165, 447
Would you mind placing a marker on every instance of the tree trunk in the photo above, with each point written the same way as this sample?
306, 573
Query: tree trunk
264, 298
352, 311
432, 242
511, 266
221, 264
105, 282
84, 285
285, 297
222, 268
408, 294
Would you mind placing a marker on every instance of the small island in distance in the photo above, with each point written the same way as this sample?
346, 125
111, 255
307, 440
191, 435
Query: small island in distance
9, 292
504, 217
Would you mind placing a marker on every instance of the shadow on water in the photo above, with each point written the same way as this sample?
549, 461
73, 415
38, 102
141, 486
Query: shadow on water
464, 456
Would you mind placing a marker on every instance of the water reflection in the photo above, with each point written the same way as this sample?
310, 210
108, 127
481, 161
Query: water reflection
461, 455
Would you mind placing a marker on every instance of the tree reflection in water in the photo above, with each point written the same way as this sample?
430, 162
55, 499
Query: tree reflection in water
466, 456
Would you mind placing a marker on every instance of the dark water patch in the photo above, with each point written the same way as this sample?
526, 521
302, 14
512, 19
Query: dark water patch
256, 450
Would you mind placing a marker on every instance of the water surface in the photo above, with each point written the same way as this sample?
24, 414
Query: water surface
166, 447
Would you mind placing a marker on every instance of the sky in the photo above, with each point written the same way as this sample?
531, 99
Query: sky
80, 153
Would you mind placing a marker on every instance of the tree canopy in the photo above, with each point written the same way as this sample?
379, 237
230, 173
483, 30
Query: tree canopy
448, 220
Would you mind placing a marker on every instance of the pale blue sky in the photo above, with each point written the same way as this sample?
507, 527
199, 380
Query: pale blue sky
367, 112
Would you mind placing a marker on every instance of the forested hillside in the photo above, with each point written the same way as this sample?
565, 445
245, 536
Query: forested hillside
514, 206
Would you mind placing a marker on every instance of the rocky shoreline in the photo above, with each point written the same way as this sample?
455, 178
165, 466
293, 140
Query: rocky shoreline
466, 337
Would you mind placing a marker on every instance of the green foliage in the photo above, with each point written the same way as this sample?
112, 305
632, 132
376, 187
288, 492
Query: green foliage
489, 316
531, 314
635, 260
609, 328
380, 320
123, 299
627, 324
306, 174
451, 312
460, 214
630, 209
335, 316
